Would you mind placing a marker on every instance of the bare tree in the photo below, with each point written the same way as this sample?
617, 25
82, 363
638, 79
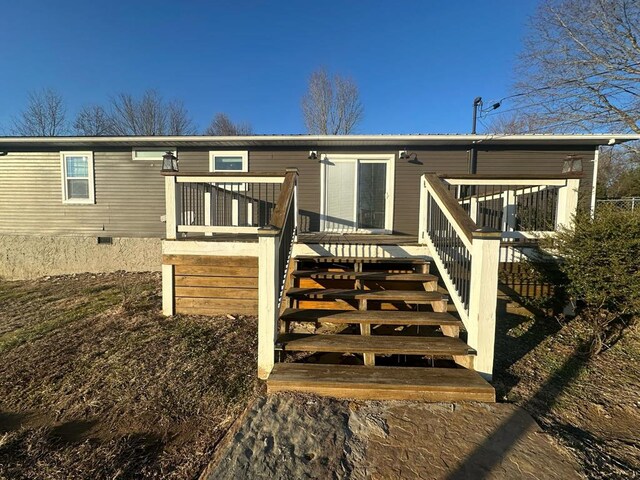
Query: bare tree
45, 115
331, 106
93, 121
223, 126
178, 120
581, 64
149, 115
516, 123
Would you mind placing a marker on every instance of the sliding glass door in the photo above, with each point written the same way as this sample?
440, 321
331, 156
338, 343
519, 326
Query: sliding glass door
357, 194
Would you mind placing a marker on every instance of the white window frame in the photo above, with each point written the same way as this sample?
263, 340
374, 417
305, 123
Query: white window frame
91, 178
244, 154
161, 152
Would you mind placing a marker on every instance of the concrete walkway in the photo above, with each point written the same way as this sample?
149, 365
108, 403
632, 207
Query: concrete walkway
289, 436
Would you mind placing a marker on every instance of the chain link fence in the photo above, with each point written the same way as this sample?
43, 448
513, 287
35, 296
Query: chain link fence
628, 203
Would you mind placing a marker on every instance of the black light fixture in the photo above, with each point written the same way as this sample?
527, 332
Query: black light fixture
169, 162
313, 155
572, 163
412, 157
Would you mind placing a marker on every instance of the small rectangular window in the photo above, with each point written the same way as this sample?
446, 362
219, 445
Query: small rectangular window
153, 154
229, 161
77, 177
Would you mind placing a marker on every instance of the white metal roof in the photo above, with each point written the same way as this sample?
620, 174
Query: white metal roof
310, 141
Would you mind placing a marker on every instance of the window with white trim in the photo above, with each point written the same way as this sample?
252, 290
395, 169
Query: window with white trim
229, 161
153, 154
77, 177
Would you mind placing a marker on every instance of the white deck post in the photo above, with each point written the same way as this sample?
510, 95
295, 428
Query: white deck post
422, 218
171, 206
168, 301
207, 212
567, 203
473, 209
481, 328
509, 211
268, 292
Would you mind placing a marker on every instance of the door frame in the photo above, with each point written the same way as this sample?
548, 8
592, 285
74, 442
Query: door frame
388, 158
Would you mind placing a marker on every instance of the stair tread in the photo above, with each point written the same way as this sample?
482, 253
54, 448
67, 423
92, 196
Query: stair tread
319, 259
378, 317
381, 344
355, 294
356, 381
325, 274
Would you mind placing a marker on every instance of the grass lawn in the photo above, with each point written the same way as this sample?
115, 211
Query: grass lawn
96, 383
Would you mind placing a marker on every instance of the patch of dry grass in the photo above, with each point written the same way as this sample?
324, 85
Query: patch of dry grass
96, 383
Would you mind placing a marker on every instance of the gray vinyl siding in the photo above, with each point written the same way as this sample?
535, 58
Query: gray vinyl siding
130, 194
129, 197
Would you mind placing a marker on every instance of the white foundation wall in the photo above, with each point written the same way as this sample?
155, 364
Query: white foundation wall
24, 257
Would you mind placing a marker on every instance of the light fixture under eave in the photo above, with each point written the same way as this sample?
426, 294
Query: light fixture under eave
169, 162
412, 157
313, 155
572, 164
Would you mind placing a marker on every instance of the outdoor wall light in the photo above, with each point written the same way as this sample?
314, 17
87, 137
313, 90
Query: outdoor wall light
313, 155
412, 157
573, 163
169, 162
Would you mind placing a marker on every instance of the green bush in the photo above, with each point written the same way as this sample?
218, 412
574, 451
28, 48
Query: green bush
601, 260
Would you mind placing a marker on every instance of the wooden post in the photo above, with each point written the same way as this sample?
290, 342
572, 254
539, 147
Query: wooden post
508, 211
168, 292
295, 199
473, 208
567, 203
268, 287
172, 210
422, 219
481, 327
208, 217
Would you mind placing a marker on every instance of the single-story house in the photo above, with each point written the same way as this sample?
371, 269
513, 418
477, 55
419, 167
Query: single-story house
81, 197
364, 231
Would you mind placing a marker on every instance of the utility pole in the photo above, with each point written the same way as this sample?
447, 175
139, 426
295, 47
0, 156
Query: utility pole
473, 164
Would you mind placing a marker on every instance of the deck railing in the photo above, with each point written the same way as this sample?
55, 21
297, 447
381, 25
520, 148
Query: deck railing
520, 206
274, 259
214, 203
467, 259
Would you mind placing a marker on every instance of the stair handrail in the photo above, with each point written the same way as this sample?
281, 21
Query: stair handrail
275, 246
467, 259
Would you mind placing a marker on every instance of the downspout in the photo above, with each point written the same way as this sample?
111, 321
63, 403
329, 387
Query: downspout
594, 181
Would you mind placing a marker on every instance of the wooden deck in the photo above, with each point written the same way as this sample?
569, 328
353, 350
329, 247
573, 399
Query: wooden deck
315, 238
357, 238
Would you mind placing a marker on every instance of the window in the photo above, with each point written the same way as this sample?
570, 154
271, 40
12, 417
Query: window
229, 161
77, 177
154, 154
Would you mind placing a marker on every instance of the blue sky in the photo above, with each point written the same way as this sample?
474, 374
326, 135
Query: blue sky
418, 63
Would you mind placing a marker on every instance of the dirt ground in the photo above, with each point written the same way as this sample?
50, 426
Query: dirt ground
289, 436
96, 383
591, 406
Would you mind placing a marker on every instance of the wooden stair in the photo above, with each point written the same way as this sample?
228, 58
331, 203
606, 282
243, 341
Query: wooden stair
381, 383
376, 344
376, 317
390, 308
